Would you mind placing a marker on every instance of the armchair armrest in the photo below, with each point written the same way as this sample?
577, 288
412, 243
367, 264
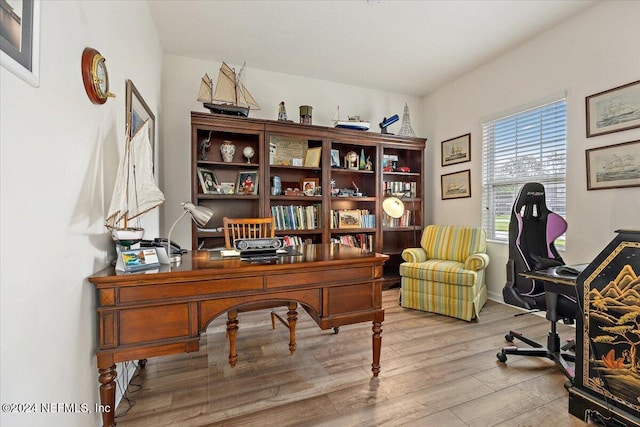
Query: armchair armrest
476, 262
414, 255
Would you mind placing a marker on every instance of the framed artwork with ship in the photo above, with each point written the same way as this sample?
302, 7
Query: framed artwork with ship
613, 166
456, 150
613, 110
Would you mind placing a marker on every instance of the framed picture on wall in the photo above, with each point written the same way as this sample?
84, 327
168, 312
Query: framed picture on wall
456, 185
456, 150
138, 112
613, 110
20, 39
613, 166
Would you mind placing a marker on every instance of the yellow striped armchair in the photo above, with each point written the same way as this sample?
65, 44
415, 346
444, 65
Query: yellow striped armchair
446, 274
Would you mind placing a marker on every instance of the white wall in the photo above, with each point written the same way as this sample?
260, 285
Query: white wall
180, 86
58, 162
595, 51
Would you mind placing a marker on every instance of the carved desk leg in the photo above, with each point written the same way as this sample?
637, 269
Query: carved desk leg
292, 318
377, 345
108, 394
232, 332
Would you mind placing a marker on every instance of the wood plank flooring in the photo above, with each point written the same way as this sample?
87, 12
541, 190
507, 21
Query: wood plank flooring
436, 371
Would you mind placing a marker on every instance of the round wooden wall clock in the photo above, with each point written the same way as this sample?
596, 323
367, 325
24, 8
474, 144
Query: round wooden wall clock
95, 76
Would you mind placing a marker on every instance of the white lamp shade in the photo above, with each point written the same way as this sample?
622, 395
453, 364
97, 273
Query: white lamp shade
393, 207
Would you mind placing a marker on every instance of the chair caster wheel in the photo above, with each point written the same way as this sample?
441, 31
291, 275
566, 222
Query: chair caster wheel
508, 337
501, 357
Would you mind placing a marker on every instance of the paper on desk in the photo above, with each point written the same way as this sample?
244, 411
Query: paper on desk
229, 252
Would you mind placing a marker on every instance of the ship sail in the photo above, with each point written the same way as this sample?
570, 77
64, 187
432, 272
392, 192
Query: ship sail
135, 191
230, 95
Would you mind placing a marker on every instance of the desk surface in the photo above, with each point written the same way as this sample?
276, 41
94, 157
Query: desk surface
551, 275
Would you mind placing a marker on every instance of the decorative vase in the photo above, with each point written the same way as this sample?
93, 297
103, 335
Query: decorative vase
227, 149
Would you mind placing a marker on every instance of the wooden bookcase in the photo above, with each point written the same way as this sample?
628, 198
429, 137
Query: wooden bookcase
312, 211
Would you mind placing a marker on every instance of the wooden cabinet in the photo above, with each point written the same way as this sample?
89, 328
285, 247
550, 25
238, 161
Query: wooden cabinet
335, 200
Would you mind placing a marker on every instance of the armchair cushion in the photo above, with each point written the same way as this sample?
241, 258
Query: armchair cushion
446, 274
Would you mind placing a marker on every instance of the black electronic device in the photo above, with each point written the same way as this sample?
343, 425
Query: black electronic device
161, 242
258, 246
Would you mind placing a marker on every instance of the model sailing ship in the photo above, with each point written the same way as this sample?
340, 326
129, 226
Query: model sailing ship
354, 122
135, 192
230, 95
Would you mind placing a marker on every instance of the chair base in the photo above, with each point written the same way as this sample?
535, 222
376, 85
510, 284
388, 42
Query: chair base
552, 351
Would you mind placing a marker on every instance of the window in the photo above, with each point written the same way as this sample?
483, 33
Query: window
529, 146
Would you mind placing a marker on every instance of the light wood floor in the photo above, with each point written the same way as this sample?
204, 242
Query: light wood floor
436, 371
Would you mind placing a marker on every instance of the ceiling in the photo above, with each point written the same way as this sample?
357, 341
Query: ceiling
409, 47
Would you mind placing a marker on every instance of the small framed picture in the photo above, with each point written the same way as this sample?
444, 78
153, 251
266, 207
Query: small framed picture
139, 259
456, 150
335, 158
309, 185
247, 182
312, 157
456, 185
614, 166
227, 188
208, 181
349, 218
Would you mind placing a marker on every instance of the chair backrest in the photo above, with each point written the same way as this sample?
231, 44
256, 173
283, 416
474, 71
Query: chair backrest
247, 228
533, 228
453, 243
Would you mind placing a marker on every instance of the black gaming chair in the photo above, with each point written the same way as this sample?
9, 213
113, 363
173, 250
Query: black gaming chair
532, 231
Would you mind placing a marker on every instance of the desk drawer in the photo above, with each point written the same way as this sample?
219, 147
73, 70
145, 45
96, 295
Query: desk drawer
319, 277
181, 290
148, 324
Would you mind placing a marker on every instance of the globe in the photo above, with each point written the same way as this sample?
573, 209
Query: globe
248, 152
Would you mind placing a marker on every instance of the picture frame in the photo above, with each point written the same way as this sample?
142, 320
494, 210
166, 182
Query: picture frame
335, 158
287, 151
227, 188
138, 112
247, 182
613, 166
613, 110
349, 218
20, 42
208, 181
456, 150
456, 185
309, 185
312, 157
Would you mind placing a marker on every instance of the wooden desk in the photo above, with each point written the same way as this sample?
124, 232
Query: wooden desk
145, 315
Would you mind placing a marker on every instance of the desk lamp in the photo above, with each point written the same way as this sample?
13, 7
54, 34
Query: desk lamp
394, 207
201, 215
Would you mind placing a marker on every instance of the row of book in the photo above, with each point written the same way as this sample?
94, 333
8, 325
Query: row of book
408, 189
290, 217
360, 240
403, 221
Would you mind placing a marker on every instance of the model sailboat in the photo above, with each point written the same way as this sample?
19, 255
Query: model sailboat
230, 95
135, 191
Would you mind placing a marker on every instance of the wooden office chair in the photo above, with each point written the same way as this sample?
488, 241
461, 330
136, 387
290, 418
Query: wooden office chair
251, 228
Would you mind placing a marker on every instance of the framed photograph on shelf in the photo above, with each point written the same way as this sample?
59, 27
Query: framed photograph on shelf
456, 185
309, 185
208, 181
137, 112
20, 39
613, 110
349, 218
456, 150
247, 182
312, 157
613, 166
335, 158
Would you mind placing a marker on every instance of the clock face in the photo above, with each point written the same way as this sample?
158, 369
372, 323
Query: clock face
102, 79
95, 76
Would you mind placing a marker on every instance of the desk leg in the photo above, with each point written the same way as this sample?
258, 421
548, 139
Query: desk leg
107, 394
292, 319
377, 345
232, 332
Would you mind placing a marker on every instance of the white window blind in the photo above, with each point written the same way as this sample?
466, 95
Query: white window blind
529, 146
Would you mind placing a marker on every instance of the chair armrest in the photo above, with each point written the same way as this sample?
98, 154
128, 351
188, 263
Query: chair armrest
476, 262
414, 255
